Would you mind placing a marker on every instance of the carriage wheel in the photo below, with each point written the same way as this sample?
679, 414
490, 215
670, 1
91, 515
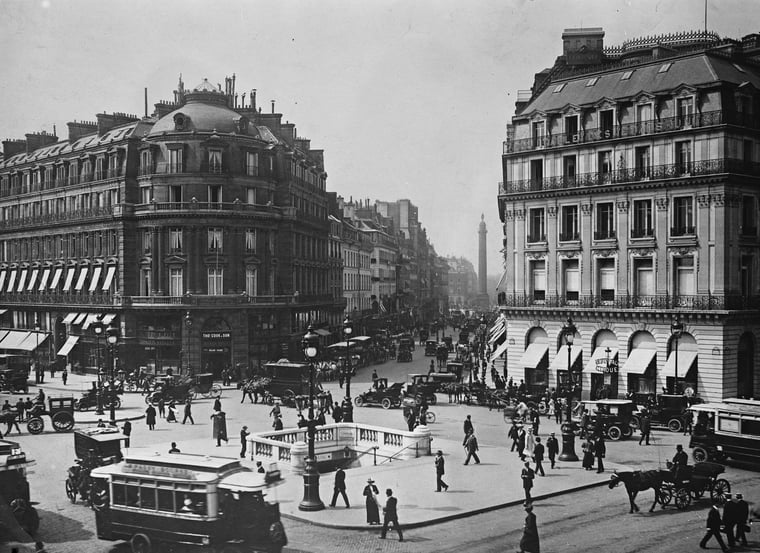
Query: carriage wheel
433, 400
700, 455
140, 543
627, 432
696, 493
269, 399
430, 417
71, 491
35, 425
666, 495
116, 403
216, 391
614, 433
63, 421
675, 425
130, 387
683, 499
542, 407
719, 490
358, 401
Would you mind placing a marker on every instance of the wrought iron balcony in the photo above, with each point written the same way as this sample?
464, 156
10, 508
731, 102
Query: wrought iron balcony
643, 128
682, 231
569, 236
50, 218
668, 171
604, 235
533, 238
539, 299
638, 232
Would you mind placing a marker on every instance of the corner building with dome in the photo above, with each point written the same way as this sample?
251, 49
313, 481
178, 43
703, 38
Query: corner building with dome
630, 205
199, 233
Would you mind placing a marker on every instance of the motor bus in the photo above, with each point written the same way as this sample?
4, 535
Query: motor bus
729, 429
165, 502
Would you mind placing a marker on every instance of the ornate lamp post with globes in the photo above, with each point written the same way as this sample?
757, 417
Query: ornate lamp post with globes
97, 328
568, 426
112, 337
676, 329
311, 500
348, 408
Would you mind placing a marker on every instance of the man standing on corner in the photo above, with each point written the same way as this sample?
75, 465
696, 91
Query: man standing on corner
440, 471
645, 427
340, 488
527, 476
243, 441
390, 515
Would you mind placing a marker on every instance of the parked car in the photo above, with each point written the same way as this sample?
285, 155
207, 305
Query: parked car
670, 410
381, 394
613, 417
431, 348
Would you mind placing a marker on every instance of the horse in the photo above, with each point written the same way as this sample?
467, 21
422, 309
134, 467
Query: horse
638, 481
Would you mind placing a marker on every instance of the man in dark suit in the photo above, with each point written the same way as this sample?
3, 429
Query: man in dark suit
730, 519
339, 487
440, 471
390, 515
527, 476
742, 514
552, 448
713, 529
600, 450
468, 429
538, 457
645, 426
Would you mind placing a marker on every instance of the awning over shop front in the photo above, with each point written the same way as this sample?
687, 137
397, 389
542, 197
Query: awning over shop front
638, 360
69, 279
2, 279
559, 363
56, 278
33, 341
21, 281
501, 330
686, 359
68, 319
14, 339
109, 278
107, 318
533, 355
66, 348
361, 339
91, 318
82, 277
322, 332
499, 351
32, 280
11, 281
79, 319
95, 278
3, 311
44, 279
599, 354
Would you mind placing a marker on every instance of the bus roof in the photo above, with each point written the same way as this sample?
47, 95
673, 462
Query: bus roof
750, 407
182, 466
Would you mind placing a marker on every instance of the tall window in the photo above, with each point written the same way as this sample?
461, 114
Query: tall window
251, 164
569, 230
145, 280
175, 240
215, 195
684, 112
175, 194
571, 128
642, 219
176, 285
683, 157
643, 276
537, 173
644, 118
605, 166
250, 281
536, 228
568, 166
146, 163
572, 278
605, 269
86, 170
605, 221
215, 239
215, 281
146, 194
606, 121
250, 196
215, 161
147, 241
250, 240
643, 163
175, 160
749, 216
538, 279
539, 132
683, 216
683, 268
745, 274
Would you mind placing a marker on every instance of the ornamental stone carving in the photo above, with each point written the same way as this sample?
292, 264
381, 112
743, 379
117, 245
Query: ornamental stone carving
703, 200
510, 215
662, 203
622, 206
519, 214
641, 252
718, 199
586, 208
552, 211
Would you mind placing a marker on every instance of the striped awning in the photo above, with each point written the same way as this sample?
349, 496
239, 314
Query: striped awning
2, 278
56, 278
21, 280
109, 277
66, 348
69, 279
499, 351
11, 280
107, 318
68, 319
44, 279
82, 277
95, 278
79, 319
32, 280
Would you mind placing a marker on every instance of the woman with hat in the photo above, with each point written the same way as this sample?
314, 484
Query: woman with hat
370, 492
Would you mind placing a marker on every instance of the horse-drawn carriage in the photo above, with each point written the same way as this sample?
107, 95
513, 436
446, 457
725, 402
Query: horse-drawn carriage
172, 388
94, 447
60, 411
382, 394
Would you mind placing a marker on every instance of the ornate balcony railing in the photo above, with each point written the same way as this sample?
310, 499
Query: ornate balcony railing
216, 206
643, 128
682, 231
76, 215
625, 301
638, 232
100, 299
656, 172
604, 234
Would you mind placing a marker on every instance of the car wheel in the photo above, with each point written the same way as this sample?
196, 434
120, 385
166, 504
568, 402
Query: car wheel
433, 400
700, 455
35, 426
386, 403
140, 543
430, 417
614, 433
358, 401
63, 421
627, 432
675, 425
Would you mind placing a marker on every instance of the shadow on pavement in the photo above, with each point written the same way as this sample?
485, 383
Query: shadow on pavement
57, 528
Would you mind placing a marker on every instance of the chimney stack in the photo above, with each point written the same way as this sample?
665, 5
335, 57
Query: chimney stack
253, 99
78, 129
107, 121
35, 141
13, 147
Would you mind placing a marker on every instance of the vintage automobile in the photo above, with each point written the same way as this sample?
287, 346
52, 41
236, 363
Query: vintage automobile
431, 348
613, 417
421, 386
729, 429
172, 388
180, 501
670, 410
404, 354
61, 413
13, 381
450, 373
381, 394
93, 447
203, 384
14, 487
287, 381
89, 399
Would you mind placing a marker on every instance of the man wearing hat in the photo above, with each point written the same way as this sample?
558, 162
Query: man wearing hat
552, 448
529, 542
339, 487
742, 515
439, 472
713, 529
730, 518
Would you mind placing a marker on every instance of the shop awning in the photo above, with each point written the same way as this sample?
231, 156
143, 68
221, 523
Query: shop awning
95, 278
109, 278
322, 332
2, 279
44, 279
499, 351
638, 360
21, 281
13, 339
11, 281
68, 319
600, 353
533, 355
3, 311
498, 327
107, 318
559, 363
32, 341
79, 319
56, 278
82, 277
361, 339
497, 335
91, 318
69, 279
686, 359
66, 348
32, 280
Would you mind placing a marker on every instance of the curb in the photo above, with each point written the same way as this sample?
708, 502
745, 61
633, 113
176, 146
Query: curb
122, 419
447, 518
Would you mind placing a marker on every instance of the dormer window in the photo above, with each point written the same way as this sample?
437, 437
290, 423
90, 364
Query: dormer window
559, 88
592, 81
180, 122
665, 67
627, 75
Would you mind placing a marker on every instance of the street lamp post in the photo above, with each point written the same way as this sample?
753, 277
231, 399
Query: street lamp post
311, 500
676, 328
568, 426
348, 408
97, 328
112, 336
483, 326
37, 341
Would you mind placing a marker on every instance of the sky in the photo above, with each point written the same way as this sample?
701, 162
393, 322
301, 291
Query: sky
408, 98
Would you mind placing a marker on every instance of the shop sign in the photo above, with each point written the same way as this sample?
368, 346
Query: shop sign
215, 335
157, 470
601, 366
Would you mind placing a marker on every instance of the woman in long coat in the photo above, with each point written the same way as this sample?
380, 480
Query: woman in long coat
150, 417
588, 454
220, 427
370, 492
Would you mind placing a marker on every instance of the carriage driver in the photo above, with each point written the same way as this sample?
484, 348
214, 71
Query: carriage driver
680, 460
